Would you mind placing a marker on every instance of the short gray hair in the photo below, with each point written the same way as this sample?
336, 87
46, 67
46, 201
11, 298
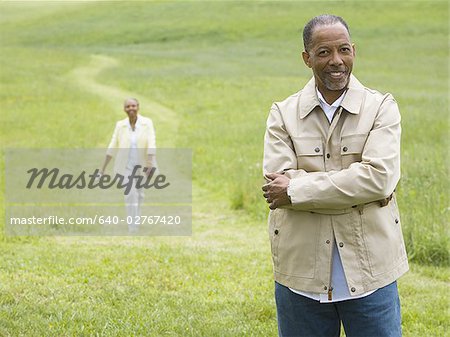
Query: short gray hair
320, 20
130, 99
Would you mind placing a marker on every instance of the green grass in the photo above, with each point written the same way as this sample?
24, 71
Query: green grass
216, 283
206, 73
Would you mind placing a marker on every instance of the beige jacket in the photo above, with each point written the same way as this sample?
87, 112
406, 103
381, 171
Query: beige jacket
343, 177
119, 145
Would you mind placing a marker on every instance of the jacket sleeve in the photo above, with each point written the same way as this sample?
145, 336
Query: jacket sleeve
114, 143
374, 178
279, 154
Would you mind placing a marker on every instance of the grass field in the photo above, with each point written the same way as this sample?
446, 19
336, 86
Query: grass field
206, 73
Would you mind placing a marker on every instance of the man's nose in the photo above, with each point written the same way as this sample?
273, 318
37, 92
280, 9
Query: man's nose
336, 59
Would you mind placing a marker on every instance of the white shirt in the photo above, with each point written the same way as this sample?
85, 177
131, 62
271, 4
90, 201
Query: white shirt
338, 281
133, 155
327, 108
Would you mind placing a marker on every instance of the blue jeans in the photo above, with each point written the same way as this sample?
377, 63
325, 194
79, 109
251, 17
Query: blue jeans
376, 315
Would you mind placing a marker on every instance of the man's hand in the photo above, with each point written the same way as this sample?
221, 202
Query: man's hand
275, 191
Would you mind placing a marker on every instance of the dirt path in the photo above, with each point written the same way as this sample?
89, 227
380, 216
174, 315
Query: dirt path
165, 120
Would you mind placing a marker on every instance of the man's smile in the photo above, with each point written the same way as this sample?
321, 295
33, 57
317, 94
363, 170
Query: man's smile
337, 74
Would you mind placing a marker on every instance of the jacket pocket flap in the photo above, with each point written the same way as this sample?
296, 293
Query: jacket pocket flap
352, 144
308, 146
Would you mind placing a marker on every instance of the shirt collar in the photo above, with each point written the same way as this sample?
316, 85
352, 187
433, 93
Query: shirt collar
351, 101
335, 104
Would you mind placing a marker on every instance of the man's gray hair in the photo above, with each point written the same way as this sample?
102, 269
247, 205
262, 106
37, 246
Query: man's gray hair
321, 20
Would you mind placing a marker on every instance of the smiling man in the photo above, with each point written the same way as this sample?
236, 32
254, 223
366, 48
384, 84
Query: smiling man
332, 163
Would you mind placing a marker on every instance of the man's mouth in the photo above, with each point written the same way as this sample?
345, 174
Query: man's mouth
336, 74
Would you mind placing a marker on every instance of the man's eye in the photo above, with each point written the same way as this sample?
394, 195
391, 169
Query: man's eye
345, 49
323, 52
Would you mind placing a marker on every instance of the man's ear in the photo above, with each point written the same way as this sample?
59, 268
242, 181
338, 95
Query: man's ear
305, 56
354, 49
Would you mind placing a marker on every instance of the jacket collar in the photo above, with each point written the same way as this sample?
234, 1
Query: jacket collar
126, 122
352, 100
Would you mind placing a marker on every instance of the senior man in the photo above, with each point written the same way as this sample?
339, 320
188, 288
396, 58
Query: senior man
332, 163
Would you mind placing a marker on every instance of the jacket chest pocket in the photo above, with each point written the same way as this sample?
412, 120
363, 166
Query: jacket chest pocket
309, 152
351, 149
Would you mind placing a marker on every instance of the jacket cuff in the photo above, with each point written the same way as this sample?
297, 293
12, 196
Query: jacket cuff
299, 192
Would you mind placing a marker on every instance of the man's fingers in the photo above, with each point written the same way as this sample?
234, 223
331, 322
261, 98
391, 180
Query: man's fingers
270, 189
268, 176
273, 176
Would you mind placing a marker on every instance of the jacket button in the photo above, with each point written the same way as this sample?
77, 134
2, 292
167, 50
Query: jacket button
341, 244
396, 220
345, 149
317, 149
328, 156
276, 231
328, 242
353, 289
325, 288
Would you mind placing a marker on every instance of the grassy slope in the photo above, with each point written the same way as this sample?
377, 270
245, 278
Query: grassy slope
218, 66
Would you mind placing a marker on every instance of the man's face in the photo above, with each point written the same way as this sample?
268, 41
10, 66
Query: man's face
330, 56
131, 107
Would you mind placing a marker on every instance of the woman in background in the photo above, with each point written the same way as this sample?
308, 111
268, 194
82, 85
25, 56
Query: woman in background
132, 143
